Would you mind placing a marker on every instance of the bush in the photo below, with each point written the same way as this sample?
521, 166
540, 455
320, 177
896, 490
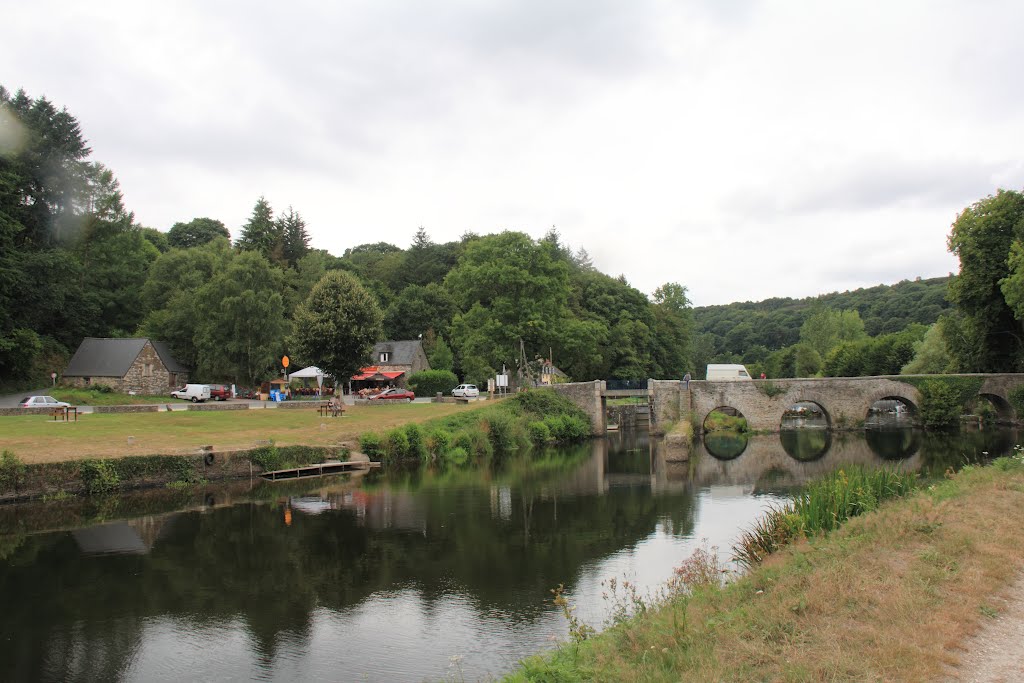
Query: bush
396, 445
416, 449
567, 428
502, 431
1016, 397
431, 382
473, 441
456, 456
371, 444
12, 472
539, 432
268, 458
99, 477
545, 402
940, 405
439, 441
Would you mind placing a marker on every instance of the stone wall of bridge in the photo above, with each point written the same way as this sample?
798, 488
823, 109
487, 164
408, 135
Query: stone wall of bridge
845, 401
588, 396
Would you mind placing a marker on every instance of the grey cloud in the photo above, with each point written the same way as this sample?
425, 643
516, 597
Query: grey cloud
872, 185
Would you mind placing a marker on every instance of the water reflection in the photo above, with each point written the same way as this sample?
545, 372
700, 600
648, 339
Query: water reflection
390, 577
725, 445
806, 445
893, 444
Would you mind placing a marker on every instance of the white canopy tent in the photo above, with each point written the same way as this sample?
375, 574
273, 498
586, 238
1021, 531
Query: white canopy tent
312, 372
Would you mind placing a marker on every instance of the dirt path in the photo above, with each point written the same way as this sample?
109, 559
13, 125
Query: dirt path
996, 653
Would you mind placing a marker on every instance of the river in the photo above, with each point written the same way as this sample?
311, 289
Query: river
395, 576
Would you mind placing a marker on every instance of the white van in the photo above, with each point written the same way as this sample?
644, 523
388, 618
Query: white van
726, 372
197, 393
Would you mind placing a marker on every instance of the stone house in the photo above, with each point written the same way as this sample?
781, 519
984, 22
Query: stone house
394, 362
142, 366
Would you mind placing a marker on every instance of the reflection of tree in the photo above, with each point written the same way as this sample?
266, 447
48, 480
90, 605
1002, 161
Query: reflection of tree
942, 450
806, 445
211, 567
725, 445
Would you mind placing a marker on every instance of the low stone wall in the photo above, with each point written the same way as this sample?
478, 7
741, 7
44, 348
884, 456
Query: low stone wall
218, 406
26, 411
298, 405
143, 408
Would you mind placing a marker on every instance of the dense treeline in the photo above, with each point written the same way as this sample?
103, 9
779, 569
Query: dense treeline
75, 263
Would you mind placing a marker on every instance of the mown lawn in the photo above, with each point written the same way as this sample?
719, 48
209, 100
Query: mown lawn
38, 438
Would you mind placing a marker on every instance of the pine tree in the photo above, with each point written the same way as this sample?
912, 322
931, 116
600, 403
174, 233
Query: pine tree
261, 233
294, 238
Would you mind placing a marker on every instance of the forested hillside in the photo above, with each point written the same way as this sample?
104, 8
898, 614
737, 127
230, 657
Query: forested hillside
748, 332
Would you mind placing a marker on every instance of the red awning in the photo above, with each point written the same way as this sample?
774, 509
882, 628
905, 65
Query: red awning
372, 374
365, 373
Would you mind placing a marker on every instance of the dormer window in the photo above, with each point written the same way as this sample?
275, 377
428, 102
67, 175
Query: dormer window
384, 356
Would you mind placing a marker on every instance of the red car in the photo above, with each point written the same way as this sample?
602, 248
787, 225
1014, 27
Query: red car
394, 395
220, 392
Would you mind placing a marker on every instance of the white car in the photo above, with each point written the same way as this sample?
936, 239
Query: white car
41, 402
465, 391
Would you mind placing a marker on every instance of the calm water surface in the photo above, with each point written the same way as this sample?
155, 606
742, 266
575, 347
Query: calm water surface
399, 577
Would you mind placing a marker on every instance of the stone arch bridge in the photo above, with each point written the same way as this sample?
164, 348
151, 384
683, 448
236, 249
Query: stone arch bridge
845, 401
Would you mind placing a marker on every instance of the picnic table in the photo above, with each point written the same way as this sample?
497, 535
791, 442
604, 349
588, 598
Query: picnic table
65, 413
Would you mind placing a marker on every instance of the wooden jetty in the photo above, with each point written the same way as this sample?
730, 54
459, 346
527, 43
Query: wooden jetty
320, 469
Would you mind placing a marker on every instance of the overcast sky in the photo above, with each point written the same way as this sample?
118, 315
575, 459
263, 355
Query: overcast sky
743, 149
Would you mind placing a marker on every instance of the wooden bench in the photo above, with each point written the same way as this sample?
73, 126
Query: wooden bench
328, 409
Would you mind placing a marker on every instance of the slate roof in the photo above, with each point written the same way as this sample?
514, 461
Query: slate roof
401, 352
98, 357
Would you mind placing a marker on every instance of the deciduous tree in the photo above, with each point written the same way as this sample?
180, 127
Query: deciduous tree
337, 326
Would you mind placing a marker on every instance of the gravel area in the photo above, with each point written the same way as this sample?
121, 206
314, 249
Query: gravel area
996, 653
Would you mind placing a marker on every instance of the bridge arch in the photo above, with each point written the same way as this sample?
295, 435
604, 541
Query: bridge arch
1004, 411
805, 404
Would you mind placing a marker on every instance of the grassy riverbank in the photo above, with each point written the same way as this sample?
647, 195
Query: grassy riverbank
40, 439
889, 596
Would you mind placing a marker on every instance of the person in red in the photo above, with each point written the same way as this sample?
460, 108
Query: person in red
762, 375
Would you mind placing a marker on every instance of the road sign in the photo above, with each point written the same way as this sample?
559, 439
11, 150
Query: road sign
284, 361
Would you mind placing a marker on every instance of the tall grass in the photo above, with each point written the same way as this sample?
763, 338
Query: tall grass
822, 506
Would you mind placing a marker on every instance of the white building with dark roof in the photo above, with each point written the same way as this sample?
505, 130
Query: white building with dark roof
142, 366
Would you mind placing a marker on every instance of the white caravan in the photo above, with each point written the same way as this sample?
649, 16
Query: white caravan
726, 372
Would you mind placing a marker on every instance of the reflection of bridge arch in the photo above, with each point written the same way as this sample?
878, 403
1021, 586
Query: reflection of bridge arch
725, 445
763, 459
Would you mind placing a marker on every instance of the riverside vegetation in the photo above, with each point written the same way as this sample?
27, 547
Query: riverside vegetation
538, 418
887, 596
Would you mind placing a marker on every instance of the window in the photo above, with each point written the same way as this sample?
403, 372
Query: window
147, 370
384, 356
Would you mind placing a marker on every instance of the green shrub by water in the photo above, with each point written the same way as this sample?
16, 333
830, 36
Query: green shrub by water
540, 433
12, 472
371, 444
494, 430
99, 477
822, 506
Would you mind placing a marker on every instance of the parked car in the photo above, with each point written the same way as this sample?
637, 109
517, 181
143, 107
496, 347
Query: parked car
197, 393
220, 392
394, 395
465, 391
41, 402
